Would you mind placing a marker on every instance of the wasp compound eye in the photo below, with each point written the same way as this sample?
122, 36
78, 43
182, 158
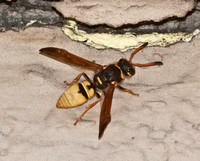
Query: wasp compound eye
126, 67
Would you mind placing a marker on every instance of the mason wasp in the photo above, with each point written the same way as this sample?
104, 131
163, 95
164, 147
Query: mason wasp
107, 78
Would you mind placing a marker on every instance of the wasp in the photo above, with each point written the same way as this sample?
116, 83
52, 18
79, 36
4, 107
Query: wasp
106, 79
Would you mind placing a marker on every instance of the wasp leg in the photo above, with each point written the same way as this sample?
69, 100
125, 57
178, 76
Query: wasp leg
127, 90
75, 79
87, 109
147, 64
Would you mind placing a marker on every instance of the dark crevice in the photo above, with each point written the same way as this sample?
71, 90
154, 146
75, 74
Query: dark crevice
170, 25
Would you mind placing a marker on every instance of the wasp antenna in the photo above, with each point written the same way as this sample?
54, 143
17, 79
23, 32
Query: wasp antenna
138, 49
158, 63
147, 64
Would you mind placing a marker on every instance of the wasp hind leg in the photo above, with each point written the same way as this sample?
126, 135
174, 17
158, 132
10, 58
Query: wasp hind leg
127, 90
75, 79
87, 109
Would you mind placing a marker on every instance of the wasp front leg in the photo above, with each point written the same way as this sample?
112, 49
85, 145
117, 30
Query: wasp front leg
127, 90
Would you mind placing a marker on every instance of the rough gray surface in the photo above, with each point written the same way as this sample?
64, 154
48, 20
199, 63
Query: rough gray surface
117, 12
162, 124
16, 15
22, 14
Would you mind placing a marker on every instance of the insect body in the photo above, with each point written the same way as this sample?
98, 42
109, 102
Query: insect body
106, 78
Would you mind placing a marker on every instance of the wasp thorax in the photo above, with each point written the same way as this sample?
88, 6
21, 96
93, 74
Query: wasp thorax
126, 67
109, 74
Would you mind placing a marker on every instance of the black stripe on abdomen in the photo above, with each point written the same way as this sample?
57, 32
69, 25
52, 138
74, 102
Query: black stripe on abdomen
82, 91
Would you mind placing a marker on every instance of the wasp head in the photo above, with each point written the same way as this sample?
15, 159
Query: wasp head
126, 67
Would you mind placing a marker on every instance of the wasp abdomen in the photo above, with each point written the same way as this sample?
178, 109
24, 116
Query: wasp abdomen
76, 95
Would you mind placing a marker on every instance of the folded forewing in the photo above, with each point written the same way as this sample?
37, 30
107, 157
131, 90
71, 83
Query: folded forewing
70, 59
105, 116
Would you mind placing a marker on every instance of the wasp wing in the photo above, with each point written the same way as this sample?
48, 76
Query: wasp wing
70, 59
105, 116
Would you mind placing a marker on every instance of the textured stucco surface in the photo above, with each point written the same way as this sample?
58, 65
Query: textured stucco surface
117, 13
163, 123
